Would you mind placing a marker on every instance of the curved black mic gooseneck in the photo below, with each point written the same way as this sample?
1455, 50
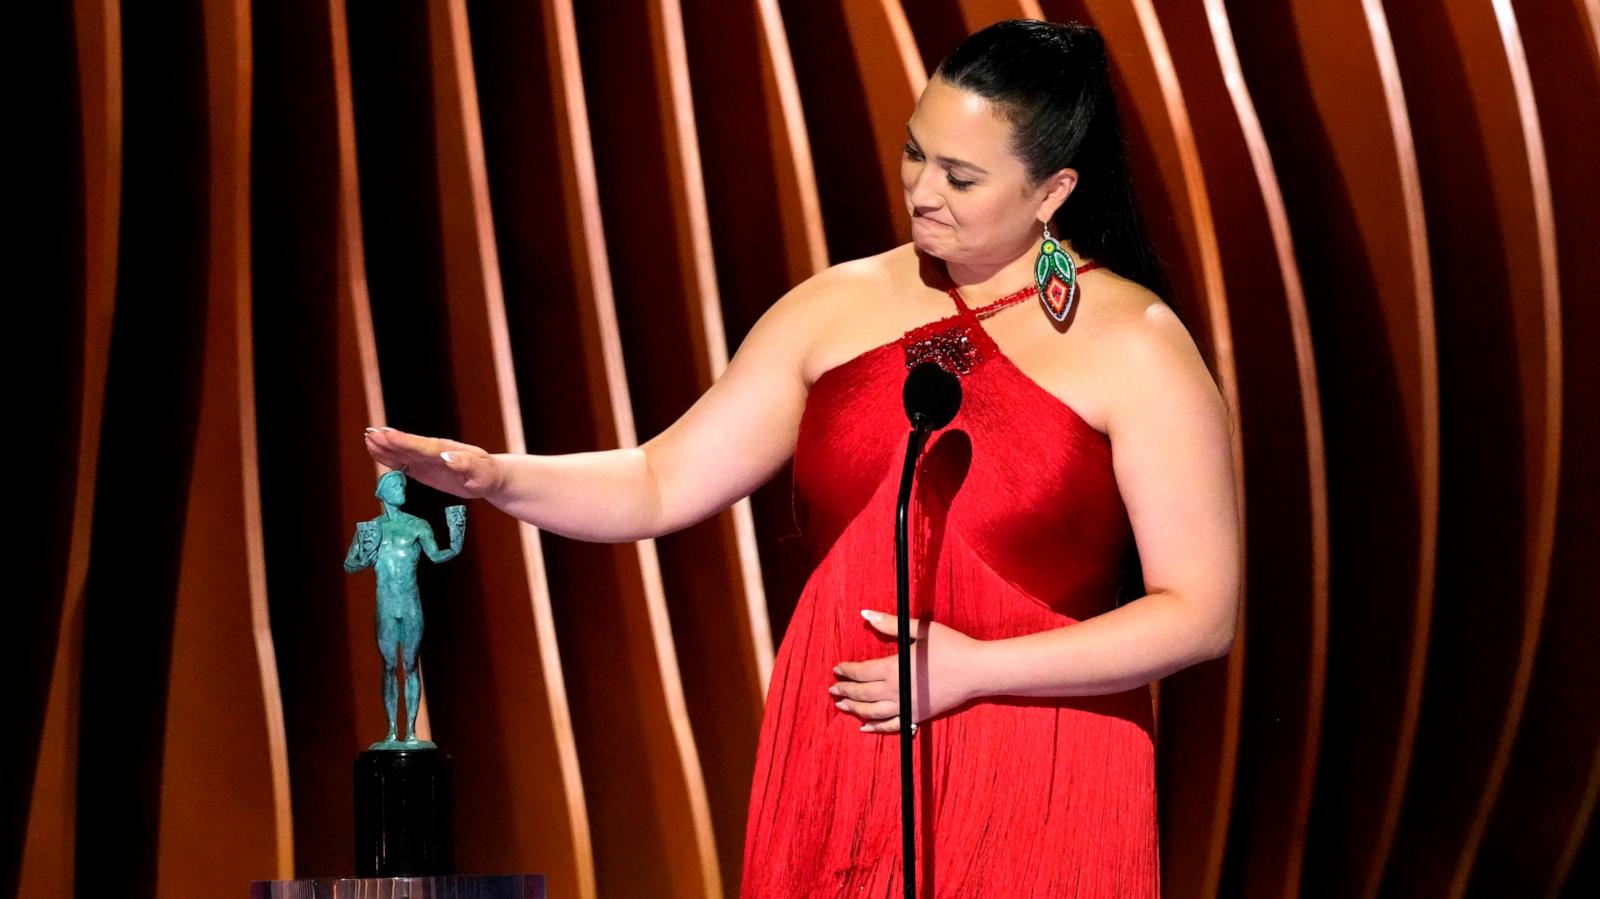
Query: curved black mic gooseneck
932, 397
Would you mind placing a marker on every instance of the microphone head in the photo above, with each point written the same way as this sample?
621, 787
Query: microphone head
932, 396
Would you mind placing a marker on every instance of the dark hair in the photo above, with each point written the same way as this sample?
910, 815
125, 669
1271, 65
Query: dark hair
1053, 84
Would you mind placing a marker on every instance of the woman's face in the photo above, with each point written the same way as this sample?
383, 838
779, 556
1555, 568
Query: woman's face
968, 196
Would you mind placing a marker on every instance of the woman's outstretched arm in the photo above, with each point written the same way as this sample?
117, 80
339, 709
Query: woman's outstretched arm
732, 440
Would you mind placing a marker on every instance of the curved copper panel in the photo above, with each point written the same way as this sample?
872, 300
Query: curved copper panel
748, 119
1579, 874
806, 248
1325, 84
648, 166
892, 77
574, 396
224, 775
856, 117
1548, 797
498, 700
938, 26
1286, 490
1472, 115
746, 108
766, 237
975, 14
44, 347
39, 840
357, 366
172, 598
312, 330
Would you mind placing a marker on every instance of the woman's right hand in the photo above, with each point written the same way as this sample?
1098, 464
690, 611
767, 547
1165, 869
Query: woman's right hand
456, 468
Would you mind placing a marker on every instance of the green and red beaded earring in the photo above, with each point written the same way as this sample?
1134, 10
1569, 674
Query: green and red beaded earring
1056, 276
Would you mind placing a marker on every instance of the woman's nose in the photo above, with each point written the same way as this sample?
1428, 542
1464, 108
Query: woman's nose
922, 191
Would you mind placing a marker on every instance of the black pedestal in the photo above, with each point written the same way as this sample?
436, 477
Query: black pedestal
403, 813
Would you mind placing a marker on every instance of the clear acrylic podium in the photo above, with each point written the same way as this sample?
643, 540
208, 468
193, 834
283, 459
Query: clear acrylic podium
490, 886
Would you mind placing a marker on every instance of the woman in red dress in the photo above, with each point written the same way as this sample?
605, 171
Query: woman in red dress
1090, 433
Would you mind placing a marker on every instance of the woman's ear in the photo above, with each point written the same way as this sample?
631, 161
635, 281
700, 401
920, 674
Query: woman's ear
1056, 189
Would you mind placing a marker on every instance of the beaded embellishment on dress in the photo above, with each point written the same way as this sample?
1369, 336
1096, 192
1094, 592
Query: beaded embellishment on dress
951, 348
950, 345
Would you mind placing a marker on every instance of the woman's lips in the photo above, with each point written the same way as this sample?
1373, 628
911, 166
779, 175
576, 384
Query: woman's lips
928, 221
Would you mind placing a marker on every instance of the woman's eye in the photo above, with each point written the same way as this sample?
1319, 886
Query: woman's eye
914, 154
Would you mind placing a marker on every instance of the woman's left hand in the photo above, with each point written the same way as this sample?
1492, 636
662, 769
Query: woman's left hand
945, 672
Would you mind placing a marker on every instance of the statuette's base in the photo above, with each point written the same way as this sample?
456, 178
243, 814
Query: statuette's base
403, 813
385, 745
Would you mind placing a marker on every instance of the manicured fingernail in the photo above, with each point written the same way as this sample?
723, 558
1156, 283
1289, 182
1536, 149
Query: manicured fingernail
869, 614
372, 430
447, 458
838, 671
840, 705
386, 428
834, 690
866, 727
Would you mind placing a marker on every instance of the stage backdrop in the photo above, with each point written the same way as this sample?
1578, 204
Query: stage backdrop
543, 226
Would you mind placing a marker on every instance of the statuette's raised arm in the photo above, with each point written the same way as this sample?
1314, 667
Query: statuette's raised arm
456, 518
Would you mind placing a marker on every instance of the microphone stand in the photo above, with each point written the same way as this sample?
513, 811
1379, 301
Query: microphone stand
920, 428
932, 396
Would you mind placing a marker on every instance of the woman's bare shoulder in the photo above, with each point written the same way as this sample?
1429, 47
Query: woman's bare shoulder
844, 283
1132, 317
1152, 351
829, 310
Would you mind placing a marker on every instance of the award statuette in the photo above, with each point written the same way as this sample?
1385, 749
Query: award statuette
403, 786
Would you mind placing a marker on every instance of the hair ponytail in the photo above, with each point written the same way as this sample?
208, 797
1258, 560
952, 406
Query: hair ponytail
1053, 84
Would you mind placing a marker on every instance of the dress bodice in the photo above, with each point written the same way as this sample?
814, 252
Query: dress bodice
1018, 476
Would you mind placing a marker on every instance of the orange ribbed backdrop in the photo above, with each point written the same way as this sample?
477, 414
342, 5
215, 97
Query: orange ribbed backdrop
544, 226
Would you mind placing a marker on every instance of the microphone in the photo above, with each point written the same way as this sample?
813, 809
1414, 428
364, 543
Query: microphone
932, 396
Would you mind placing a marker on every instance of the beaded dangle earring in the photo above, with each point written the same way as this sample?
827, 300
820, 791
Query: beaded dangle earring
1056, 276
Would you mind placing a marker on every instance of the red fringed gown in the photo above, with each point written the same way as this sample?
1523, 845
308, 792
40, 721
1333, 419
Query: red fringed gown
1017, 528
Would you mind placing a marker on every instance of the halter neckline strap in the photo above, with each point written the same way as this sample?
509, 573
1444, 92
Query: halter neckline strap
1010, 299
